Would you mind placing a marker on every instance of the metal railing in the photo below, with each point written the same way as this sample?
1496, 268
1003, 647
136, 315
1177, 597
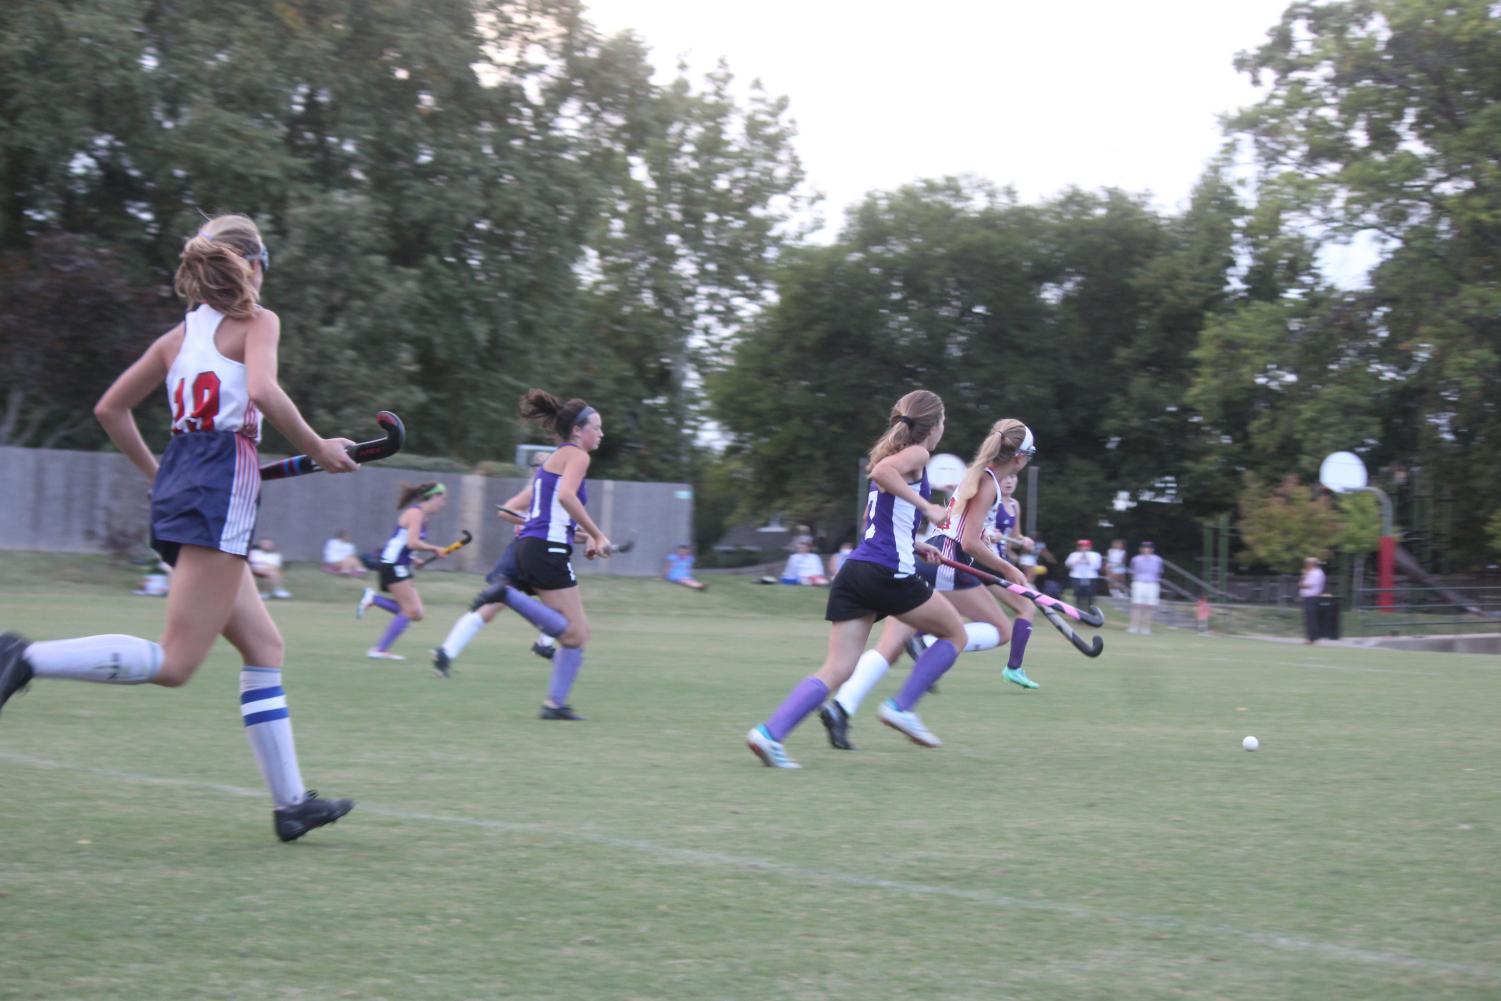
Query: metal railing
1417, 609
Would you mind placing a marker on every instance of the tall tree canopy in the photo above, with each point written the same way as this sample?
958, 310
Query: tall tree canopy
462, 197
1382, 118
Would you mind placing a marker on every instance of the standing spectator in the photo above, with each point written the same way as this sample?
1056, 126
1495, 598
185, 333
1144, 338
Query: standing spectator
1146, 588
265, 564
1310, 588
804, 567
1202, 614
677, 568
340, 556
1115, 568
1083, 570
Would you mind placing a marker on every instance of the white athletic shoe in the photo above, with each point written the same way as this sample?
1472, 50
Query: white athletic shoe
769, 751
366, 600
281, 592
375, 654
908, 723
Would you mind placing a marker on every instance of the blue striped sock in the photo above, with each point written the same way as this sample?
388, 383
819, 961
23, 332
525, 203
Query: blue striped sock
268, 725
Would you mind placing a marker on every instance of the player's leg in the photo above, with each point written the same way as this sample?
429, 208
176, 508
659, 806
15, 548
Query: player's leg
268, 721
465, 629
1021, 634
846, 641
566, 605
938, 617
870, 668
204, 583
408, 610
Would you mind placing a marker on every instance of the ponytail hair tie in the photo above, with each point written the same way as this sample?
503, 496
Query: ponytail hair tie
904, 419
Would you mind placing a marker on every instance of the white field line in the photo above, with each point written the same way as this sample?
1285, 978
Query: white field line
1489, 973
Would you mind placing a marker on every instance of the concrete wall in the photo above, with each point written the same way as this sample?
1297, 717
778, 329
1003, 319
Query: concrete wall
74, 501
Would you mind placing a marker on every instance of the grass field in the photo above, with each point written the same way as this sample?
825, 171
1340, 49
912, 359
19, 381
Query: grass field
1104, 837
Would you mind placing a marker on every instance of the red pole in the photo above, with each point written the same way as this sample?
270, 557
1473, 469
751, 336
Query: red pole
1385, 578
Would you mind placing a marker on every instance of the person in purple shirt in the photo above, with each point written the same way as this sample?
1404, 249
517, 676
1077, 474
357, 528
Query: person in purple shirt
1146, 588
544, 544
880, 578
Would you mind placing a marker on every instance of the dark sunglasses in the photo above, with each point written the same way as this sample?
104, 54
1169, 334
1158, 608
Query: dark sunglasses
263, 255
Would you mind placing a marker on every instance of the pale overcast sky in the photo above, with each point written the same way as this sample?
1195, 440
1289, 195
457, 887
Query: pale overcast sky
1038, 96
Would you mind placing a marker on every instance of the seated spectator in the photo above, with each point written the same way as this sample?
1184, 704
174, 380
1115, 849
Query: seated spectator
265, 564
677, 568
340, 556
836, 561
804, 567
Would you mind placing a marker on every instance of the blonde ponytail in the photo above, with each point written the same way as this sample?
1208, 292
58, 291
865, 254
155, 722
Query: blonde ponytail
214, 266
1005, 438
912, 419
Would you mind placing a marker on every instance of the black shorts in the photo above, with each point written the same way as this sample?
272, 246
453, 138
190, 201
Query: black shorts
862, 589
945, 578
544, 566
505, 566
392, 573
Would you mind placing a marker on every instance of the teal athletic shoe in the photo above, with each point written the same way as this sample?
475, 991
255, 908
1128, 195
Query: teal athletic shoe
1019, 676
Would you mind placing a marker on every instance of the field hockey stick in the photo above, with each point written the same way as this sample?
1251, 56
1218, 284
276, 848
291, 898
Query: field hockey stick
623, 547
1093, 617
365, 451
464, 539
1061, 624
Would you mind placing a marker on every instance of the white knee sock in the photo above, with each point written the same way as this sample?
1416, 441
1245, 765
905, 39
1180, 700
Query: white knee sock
112, 658
263, 706
869, 669
464, 630
982, 636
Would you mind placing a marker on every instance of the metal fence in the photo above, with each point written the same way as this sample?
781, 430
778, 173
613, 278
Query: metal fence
88, 502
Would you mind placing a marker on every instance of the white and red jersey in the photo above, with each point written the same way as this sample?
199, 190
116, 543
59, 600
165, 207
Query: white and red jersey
953, 526
207, 391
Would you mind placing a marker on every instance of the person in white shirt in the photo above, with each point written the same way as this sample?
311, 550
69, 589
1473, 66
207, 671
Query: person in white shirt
1310, 589
1083, 570
265, 564
804, 567
1115, 568
340, 556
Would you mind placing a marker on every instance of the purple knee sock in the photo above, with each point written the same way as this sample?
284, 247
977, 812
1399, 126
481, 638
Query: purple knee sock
381, 601
929, 668
396, 628
548, 620
807, 696
565, 667
1021, 631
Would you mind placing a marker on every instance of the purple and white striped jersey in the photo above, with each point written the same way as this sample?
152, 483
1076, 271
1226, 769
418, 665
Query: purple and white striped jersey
891, 529
547, 518
396, 551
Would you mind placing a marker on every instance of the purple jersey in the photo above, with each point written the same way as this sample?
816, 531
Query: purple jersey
396, 551
547, 518
891, 529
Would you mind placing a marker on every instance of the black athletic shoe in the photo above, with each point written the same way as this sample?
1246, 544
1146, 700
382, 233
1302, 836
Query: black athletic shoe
914, 646
293, 822
837, 722
490, 595
544, 650
441, 663
559, 712
15, 673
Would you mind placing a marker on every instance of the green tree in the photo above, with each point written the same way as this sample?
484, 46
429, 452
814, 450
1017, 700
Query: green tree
1283, 524
1381, 120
